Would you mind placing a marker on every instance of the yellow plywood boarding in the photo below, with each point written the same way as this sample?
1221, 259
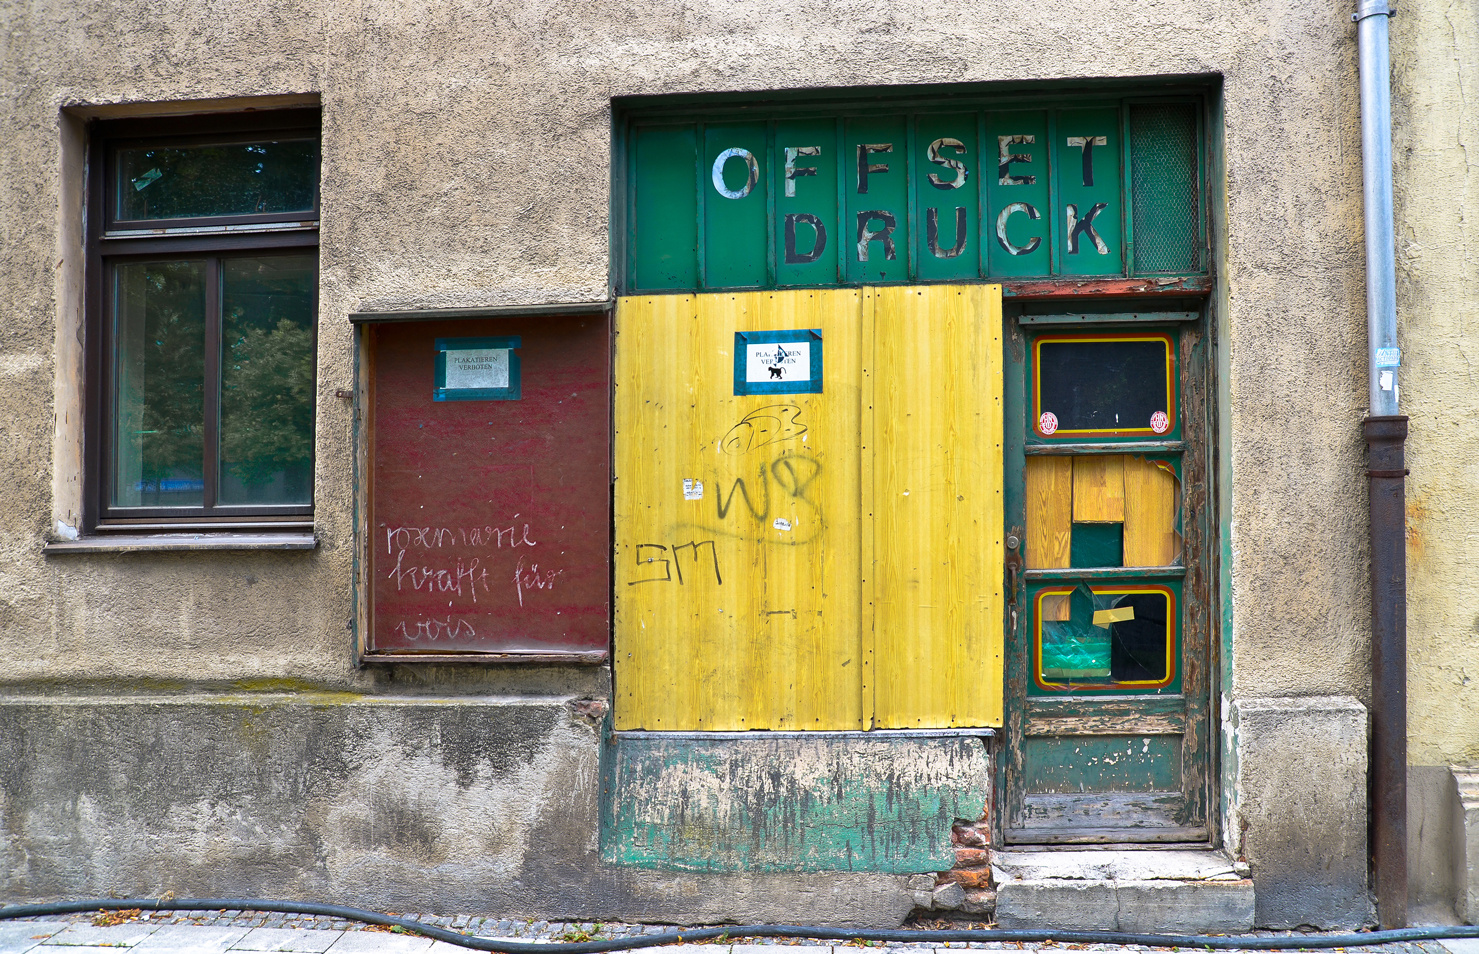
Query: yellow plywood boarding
1150, 514
1099, 489
1049, 495
936, 442
746, 625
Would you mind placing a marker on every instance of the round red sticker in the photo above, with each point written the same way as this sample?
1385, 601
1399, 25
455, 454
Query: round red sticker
1159, 422
1048, 422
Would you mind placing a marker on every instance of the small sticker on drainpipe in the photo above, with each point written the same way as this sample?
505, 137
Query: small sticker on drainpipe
1386, 380
1388, 357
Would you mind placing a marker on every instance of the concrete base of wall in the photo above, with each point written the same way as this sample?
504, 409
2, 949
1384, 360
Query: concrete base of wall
1137, 891
437, 805
1466, 843
1299, 809
1435, 849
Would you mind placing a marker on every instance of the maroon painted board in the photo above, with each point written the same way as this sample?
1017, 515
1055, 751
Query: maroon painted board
490, 520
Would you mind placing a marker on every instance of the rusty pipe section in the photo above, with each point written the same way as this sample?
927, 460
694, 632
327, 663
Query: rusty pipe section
1386, 473
1386, 432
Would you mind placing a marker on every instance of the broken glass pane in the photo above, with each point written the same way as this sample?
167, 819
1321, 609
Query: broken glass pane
1111, 638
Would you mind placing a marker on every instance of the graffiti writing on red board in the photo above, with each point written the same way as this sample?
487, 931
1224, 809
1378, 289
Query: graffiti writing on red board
652, 555
532, 578
460, 579
436, 538
434, 629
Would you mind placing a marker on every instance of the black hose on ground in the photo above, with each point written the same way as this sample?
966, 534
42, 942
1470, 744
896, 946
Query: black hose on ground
342, 913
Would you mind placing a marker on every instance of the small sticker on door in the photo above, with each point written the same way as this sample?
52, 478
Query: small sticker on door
781, 523
693, 489
1159, 422
1047, 423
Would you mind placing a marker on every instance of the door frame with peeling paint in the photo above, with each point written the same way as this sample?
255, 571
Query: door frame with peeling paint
1096, 764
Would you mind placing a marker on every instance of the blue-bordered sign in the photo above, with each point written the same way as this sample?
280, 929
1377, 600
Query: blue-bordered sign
477, 369
778, 362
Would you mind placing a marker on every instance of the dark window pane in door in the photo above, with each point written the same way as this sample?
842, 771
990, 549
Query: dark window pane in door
267, 309
249, 178
159, 385
1103, 386
1138, 646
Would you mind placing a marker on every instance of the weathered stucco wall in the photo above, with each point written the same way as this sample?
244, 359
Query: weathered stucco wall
466, 161
1435, 81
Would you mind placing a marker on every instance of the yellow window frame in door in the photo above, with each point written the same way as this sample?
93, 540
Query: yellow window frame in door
821, 561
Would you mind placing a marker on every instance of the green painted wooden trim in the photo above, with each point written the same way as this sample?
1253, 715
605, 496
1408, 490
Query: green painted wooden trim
909, 107
1113, 318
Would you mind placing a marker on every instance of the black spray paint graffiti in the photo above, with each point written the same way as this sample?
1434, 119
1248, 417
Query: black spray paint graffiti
651, 559
766, 425
791, 473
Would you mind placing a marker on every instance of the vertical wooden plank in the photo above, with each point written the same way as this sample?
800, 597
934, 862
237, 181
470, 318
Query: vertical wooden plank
1049, 498
1150, 514
867, 424
937, 506
1099, 489
752, 621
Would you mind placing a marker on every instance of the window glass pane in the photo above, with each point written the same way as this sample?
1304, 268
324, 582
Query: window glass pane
253, 178
267, 379
1105, 638
1105, 386
159, 401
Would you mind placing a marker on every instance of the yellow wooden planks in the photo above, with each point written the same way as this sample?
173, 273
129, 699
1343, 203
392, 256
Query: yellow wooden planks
1049, 497
1099, 489
748, 625
842, 566
936, 445
1150, 514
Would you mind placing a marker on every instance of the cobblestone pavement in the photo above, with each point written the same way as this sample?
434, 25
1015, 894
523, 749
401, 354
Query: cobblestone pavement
209, 932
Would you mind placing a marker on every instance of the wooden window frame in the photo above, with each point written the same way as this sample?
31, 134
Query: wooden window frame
214, 239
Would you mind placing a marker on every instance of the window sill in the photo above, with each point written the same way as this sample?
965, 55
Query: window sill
192, 541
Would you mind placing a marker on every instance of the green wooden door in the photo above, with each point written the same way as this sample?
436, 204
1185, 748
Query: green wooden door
1108, 615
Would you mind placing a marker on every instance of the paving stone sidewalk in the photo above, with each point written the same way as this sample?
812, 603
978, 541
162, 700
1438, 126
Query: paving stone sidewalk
218, 932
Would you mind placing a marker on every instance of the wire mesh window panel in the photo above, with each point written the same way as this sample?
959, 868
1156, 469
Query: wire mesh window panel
1166, 186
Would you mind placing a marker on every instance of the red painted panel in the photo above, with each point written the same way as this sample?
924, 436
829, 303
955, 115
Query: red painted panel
490, 521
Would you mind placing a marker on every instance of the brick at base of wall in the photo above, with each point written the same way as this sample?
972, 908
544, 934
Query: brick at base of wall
965, 889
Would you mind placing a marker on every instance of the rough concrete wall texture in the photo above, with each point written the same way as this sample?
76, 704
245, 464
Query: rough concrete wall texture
466, 162
390, 804
1435, 79
1300, 810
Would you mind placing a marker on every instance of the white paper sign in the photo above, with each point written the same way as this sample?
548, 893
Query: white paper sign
477, 368
789, 361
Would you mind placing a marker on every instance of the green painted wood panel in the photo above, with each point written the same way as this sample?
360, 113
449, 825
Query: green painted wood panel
1087, 175
947, 238
876, 184
734, 205
665, 207
960, 191
771, 802
1068, 765
807, 234
1019, 211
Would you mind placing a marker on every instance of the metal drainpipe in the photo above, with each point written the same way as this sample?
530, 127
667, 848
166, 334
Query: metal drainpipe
1385, 431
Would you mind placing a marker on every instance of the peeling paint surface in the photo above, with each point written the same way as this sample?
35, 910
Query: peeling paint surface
789, 803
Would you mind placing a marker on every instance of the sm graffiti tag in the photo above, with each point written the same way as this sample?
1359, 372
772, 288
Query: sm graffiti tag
659, 564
